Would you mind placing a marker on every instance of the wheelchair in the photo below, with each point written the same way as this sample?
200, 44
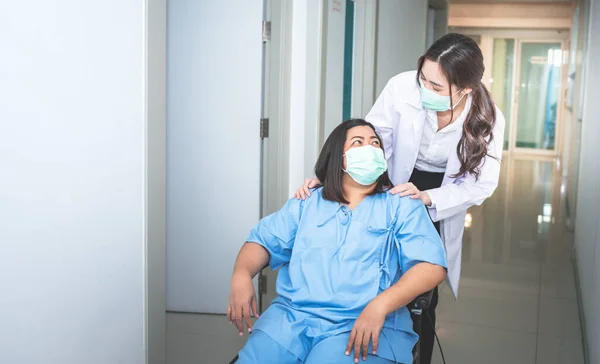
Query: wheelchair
416, 308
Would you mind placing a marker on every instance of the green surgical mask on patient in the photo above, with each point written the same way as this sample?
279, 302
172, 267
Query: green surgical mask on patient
365, 164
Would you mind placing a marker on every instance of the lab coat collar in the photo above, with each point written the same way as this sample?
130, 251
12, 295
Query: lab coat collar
414, 99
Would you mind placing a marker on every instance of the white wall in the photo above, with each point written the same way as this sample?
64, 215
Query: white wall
572, 137
401, 38
74, 131
587, 231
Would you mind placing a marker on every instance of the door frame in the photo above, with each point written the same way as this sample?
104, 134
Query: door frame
514, 122
275, 109
292, 102
363, 53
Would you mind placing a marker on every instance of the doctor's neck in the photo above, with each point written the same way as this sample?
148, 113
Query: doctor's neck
355, 192
454, 114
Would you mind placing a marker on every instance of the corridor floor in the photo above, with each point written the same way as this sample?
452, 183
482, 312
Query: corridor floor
517, 300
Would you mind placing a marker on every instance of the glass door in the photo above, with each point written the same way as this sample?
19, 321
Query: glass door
525, 85
537, 96
501, 86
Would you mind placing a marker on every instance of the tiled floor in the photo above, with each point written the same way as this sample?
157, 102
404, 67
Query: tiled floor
517, 301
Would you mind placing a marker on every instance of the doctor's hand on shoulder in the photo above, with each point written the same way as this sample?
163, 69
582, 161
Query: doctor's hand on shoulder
304, 191
409, 189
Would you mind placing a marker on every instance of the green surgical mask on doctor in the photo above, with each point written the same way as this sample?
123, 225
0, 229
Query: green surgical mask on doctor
434, 102
365, 164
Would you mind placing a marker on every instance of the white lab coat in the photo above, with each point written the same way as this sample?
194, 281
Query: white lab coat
399, 117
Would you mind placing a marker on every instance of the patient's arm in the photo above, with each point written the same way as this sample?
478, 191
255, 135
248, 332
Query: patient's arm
421, 278
251, 259
242, 298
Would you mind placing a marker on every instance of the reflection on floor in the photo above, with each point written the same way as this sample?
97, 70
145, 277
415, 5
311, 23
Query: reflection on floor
517, 301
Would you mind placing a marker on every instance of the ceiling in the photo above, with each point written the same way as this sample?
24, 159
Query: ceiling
509, 1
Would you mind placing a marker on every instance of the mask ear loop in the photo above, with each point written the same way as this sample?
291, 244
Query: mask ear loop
459, 100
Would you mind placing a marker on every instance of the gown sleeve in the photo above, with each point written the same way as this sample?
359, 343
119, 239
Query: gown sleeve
416, 237
277, 233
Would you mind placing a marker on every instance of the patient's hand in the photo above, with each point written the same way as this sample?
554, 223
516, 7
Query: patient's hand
242, 302
366, 328
304, 191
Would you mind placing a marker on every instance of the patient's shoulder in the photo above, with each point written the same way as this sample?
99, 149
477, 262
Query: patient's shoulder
299, 204
400, 207
398, 200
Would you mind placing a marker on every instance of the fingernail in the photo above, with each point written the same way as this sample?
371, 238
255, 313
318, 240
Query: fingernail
249, 329
241, 333
347, 353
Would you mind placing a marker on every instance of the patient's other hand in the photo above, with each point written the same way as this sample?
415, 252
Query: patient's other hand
242, 302
304, 191
366, 328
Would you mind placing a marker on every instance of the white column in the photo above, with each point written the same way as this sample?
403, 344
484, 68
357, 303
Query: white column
82, 181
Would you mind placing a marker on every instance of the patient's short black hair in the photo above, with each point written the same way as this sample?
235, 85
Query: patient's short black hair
330, 164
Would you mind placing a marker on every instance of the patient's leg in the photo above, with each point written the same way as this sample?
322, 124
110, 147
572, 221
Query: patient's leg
331, 351
261, 349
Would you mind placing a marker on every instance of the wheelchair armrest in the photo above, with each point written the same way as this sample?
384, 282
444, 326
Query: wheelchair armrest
422, 302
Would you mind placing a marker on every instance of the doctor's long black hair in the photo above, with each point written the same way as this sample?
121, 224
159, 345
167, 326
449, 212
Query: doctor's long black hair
461, 62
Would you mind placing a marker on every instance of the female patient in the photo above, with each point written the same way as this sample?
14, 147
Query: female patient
352, 256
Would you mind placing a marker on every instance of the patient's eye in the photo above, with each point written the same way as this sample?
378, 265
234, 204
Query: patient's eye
356, 142
375, 143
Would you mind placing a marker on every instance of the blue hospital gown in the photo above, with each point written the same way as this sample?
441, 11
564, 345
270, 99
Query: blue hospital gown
334, 261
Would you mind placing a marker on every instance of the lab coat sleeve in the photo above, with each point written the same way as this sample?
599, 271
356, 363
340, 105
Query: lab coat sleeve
384, 117
467, 191
277, 232
416, 237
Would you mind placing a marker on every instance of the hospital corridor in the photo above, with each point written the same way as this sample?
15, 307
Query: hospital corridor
156, 158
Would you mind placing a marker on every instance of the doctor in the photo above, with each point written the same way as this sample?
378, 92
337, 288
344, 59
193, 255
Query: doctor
443, 138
